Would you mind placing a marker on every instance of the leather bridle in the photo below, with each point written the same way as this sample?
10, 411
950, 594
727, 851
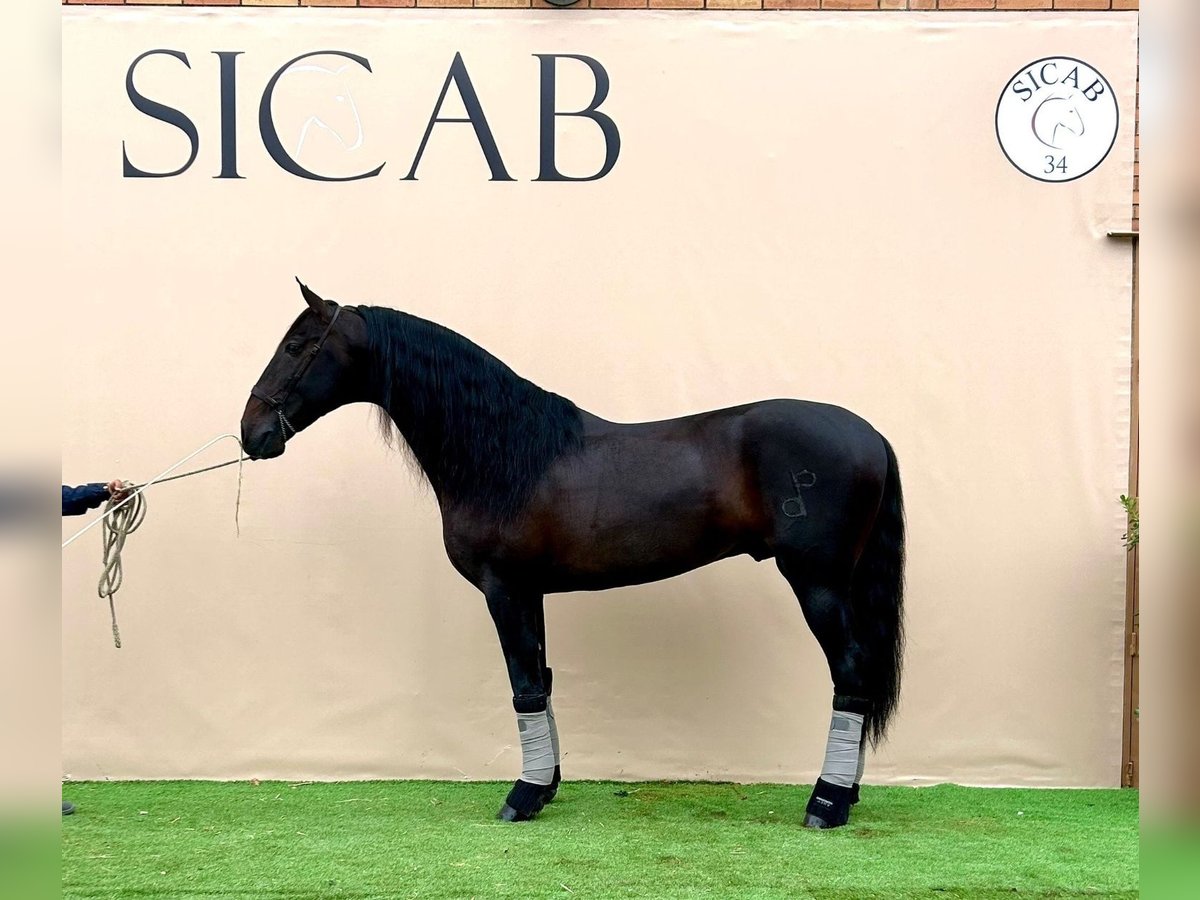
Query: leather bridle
278, 400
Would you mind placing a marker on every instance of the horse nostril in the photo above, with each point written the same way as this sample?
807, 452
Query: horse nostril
256, 437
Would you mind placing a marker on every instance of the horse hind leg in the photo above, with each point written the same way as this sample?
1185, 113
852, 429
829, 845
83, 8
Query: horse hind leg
825, 600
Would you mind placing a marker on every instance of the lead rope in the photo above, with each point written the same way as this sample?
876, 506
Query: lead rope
123, 518
128, 519
123, 522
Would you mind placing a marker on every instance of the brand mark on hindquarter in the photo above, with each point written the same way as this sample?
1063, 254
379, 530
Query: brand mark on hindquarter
794, 507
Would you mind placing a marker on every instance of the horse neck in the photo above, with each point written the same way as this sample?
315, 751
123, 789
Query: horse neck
410, 397
481, 434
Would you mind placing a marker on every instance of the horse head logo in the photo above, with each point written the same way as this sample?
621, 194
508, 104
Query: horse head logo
1055, 119
336, 112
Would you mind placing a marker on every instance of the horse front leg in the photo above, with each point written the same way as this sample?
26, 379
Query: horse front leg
516, 616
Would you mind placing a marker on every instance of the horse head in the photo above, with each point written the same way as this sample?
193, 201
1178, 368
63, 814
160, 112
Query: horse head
312, 373
335, 112
1056, 117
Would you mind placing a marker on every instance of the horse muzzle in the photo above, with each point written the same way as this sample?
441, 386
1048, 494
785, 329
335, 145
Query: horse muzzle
263, 435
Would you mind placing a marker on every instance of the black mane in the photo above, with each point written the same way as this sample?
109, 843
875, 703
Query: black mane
483, 435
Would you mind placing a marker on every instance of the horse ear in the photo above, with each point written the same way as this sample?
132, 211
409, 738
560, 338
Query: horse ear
314, 300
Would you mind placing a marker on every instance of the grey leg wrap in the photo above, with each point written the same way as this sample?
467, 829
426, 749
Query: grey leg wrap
552, 790
834, 792
842, 752
850, 703
537, 747
535, 786
553, 732
862, 764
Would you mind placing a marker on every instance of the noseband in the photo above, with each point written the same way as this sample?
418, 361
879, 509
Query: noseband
276, 402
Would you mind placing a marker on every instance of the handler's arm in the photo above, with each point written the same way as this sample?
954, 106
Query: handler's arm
78, 500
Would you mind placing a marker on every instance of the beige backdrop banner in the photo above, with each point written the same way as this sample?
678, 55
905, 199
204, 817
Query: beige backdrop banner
806, 205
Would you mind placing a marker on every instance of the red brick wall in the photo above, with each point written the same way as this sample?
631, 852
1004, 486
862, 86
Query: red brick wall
651, 4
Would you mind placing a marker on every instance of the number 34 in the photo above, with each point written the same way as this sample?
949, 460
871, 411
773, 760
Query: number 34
1051, 165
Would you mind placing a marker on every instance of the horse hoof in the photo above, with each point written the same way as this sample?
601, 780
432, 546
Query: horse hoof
508, 814
829, 805
524, 801
811, 821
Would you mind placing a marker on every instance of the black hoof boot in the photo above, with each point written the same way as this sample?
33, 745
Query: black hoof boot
524, 801
829, 806
551, 790
508, 814
854, 793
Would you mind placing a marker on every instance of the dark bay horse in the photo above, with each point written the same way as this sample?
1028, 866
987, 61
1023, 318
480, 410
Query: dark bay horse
538, 496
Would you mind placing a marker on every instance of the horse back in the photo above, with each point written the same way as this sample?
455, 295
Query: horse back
649, 500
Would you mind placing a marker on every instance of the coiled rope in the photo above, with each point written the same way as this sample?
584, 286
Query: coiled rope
117, 528
122, 518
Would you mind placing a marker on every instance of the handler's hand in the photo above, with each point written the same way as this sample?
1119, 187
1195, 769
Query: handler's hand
118, 490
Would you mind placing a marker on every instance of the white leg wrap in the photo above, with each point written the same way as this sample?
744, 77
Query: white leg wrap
553, 732
537, 749
842, 751
862, 761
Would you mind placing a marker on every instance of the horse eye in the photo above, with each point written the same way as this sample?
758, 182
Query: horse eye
292, 348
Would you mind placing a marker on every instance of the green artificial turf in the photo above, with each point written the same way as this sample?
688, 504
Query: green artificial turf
598, 839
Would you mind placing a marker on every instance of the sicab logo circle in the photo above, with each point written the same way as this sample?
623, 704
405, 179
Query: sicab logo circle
1057, 119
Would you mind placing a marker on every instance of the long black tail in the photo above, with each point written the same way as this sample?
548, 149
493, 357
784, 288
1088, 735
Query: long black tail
877, 603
